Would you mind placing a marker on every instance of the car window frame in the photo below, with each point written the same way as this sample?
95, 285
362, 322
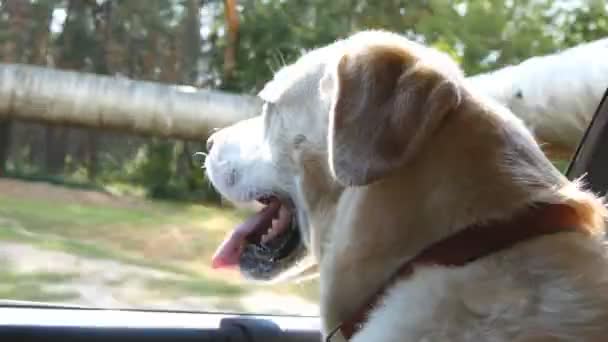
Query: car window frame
590, 161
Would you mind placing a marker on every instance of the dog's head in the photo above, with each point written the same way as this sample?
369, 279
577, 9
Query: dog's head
348, 114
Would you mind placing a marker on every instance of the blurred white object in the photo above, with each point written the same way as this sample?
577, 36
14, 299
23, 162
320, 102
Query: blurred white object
555, 95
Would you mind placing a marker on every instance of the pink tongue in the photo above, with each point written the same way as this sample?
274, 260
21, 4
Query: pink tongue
229, 252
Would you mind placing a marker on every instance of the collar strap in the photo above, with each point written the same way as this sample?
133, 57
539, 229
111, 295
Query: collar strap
472, 243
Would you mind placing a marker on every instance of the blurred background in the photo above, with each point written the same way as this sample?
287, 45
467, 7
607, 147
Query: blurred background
109, 218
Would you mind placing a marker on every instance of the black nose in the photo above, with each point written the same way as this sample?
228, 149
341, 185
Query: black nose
210, 143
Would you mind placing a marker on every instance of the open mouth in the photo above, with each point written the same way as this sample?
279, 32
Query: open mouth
266, 244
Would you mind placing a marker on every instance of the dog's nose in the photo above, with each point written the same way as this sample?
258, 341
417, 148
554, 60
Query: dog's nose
210, 142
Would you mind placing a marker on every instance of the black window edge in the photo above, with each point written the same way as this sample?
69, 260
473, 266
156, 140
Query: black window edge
590, 161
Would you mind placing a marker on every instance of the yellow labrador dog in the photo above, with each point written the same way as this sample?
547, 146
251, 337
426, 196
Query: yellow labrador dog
429, 211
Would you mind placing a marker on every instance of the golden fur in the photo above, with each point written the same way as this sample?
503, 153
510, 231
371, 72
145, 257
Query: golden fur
385, 149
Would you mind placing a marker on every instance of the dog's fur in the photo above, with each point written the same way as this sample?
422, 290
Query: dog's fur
385, 149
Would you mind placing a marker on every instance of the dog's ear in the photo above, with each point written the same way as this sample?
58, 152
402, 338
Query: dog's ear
385, 104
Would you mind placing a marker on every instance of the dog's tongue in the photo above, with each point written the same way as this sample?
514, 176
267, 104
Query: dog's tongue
229, 252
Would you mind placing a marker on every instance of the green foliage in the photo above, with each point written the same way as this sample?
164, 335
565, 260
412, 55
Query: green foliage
183, 41
584, 23
198, 285
156, 40
480, 34
29, 286
175, 238
156, 170
67, 182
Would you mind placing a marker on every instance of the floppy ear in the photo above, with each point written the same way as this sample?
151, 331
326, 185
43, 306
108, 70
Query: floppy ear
386, 104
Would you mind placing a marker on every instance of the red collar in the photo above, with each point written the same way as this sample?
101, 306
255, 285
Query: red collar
472, 243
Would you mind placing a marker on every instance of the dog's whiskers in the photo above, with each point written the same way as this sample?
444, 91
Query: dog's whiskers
281, 58
270, 66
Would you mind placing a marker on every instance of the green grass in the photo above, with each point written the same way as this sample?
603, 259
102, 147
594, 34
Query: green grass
34, 292
29, 286
160, 235
57, 180
46, 277
118, 233
168, 236
139, 236
194, 285
84, 249
45, 214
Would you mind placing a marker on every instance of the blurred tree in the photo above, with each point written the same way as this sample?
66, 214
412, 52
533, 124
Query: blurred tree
586, 22
481, 34
156, 40
232, 34
13, 22
74, 45
235, 45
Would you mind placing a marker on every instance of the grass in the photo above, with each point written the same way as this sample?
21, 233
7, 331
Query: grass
57, 180
85, 249
171, 231
160, 235
63, 217
30, 291
199, 285
30, 286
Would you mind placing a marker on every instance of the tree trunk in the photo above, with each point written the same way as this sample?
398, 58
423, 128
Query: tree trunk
557, 111
232, 37
31, 93
102, 17
92, 156
54, 158
56, 149
13, 51
5, 141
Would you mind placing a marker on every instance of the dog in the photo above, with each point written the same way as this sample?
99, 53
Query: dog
371, 152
